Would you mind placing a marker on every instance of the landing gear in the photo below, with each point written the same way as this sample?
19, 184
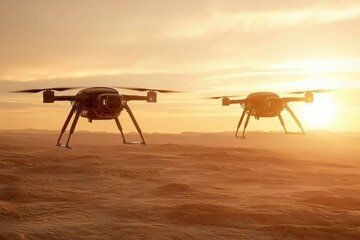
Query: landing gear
247, 111
241, 120
78, 108
296, 120
136, 125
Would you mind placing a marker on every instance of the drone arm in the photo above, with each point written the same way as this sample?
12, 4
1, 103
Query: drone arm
293, 99
49, 97
66, 98
151, 97
237, 101
135, 98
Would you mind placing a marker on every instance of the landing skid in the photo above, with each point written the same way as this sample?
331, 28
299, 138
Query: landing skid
64, 146
135, 143
240, 137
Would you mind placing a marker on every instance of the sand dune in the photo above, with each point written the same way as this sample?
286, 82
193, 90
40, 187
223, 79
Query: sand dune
189, 188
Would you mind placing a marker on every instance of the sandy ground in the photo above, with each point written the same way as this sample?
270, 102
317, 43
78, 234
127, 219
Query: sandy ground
188, 186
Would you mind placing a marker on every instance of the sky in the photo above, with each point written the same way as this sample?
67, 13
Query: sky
203, 48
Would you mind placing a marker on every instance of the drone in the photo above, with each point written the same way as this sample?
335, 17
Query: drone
266, 105
98, 103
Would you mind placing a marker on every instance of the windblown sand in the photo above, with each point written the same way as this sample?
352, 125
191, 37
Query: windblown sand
183, 190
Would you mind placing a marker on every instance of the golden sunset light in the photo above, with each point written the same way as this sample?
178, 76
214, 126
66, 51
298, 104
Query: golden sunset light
322, 113
177, 120
202, 48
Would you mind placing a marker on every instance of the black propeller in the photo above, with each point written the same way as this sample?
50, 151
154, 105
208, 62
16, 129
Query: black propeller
148, 89
36, 90
223, 97
312, 91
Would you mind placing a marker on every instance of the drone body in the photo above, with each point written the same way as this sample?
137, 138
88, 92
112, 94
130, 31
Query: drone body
264, 104
98, 103
103, 103
267, 104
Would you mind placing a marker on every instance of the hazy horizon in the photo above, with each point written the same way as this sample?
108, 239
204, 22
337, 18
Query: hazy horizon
184, 132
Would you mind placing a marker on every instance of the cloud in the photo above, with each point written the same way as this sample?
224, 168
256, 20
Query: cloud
258, 21
78, 38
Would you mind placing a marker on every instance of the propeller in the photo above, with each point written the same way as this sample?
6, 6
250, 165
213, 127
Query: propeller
223, 97
148, 89
36, 90
312, 91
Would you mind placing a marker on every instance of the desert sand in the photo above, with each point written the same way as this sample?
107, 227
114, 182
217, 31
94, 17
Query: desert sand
180, 186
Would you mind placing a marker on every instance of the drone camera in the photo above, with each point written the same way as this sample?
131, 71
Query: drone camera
309, 97
48, 96
225, 101
151, 96
110, 101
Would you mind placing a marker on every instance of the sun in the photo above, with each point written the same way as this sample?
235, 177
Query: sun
321, 113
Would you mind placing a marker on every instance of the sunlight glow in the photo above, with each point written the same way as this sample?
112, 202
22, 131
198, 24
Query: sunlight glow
321, 113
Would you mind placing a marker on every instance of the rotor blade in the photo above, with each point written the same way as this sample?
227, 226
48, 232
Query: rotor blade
166, 91
64, 88
218, 97
28, 91
323, 90
149, 89
134, 89
298, 92
313, 91
212, 98
36, 90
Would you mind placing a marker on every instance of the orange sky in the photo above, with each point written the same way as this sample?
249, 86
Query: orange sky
206, 48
